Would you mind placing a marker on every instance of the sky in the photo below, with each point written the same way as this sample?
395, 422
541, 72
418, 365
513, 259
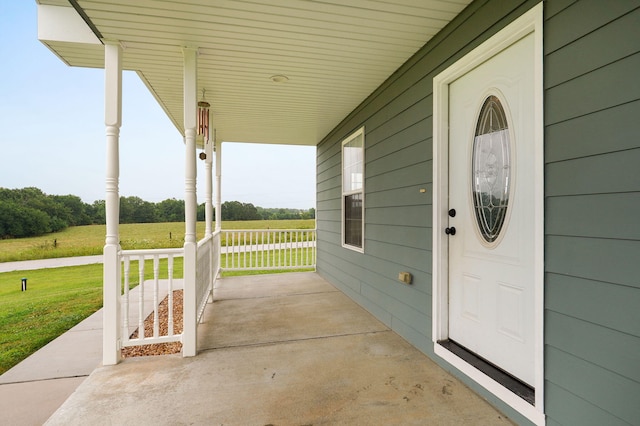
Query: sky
52, 134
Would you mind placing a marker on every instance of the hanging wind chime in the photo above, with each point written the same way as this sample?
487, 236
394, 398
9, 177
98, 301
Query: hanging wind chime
203, 123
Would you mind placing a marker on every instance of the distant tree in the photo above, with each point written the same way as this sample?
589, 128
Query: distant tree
308, 214
78, 210
127, 208
235, 210
29, 212
136, 210
231, 210
97, 212
170, 210
201, 213
285, 214
34, 198
18, 221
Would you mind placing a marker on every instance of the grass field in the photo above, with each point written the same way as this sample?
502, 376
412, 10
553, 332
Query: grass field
55, 300
58, 299
89, 240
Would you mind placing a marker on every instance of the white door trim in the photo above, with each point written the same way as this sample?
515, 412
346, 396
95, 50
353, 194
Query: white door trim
530, 22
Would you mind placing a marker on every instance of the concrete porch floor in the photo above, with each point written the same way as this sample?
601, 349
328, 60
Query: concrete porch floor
284, 349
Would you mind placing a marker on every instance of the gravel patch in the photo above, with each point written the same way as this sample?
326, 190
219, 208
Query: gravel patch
163, 316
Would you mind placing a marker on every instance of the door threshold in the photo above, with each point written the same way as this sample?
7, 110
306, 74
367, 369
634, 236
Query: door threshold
516, 386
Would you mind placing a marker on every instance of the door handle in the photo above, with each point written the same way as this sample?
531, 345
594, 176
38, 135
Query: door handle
450, 231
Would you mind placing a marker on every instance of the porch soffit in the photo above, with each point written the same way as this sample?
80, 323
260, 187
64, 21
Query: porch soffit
334, 52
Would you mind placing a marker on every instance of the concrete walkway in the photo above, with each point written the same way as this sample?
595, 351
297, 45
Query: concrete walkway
284, 349
34, 389
28, 265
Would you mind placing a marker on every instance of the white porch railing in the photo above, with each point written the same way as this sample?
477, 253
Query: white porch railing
208, 269
268, 249
223, 250
143, 300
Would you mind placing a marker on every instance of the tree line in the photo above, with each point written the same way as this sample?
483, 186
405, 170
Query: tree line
30, 212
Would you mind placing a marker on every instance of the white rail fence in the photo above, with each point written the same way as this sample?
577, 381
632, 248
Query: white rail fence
268, 249
144, 299
223, 250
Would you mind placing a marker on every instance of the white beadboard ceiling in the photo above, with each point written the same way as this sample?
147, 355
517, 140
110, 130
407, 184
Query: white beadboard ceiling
334, 53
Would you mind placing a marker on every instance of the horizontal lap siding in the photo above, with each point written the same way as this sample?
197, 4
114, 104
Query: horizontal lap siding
397, 119
592, 211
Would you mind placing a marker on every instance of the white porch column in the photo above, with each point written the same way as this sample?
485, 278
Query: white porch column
208, 205
111, 269
208, 165
189, 343
218, 184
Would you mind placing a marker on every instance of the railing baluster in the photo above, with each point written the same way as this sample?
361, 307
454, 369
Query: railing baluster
229, 251
156, 318
262, 251
303, 248
127, 265
234, 263
245, 248
250, 248
226, 245
309, 237
141, 297
276, 251
170, 294
283, 249
269, 235
296, 246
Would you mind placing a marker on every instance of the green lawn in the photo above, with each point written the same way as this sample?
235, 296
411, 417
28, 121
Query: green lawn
57, 299
89, 240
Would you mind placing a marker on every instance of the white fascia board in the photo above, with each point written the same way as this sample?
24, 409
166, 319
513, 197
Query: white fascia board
58, 23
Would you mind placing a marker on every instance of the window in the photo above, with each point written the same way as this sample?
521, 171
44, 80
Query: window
353, 191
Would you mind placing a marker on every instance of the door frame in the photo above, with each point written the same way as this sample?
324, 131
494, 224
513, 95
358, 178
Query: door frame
530, 22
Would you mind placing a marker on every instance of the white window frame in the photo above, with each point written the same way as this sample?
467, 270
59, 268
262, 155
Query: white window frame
357, 133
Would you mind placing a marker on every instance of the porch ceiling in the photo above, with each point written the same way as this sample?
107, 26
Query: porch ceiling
334, 53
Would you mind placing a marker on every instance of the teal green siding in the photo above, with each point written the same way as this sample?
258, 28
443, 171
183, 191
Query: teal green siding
398, 165
592, 188
592, 200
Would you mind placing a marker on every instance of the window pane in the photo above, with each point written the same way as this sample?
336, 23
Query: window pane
353, 164
353, 220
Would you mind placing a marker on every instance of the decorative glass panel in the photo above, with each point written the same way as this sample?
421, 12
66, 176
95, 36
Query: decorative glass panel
491, 169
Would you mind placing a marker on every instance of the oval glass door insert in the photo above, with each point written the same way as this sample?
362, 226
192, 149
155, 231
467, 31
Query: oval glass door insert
491, 169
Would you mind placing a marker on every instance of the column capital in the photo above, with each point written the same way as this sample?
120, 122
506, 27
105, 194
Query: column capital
189, 49
113, 42
113, 84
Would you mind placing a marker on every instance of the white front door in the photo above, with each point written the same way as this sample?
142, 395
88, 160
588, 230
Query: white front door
491, 189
